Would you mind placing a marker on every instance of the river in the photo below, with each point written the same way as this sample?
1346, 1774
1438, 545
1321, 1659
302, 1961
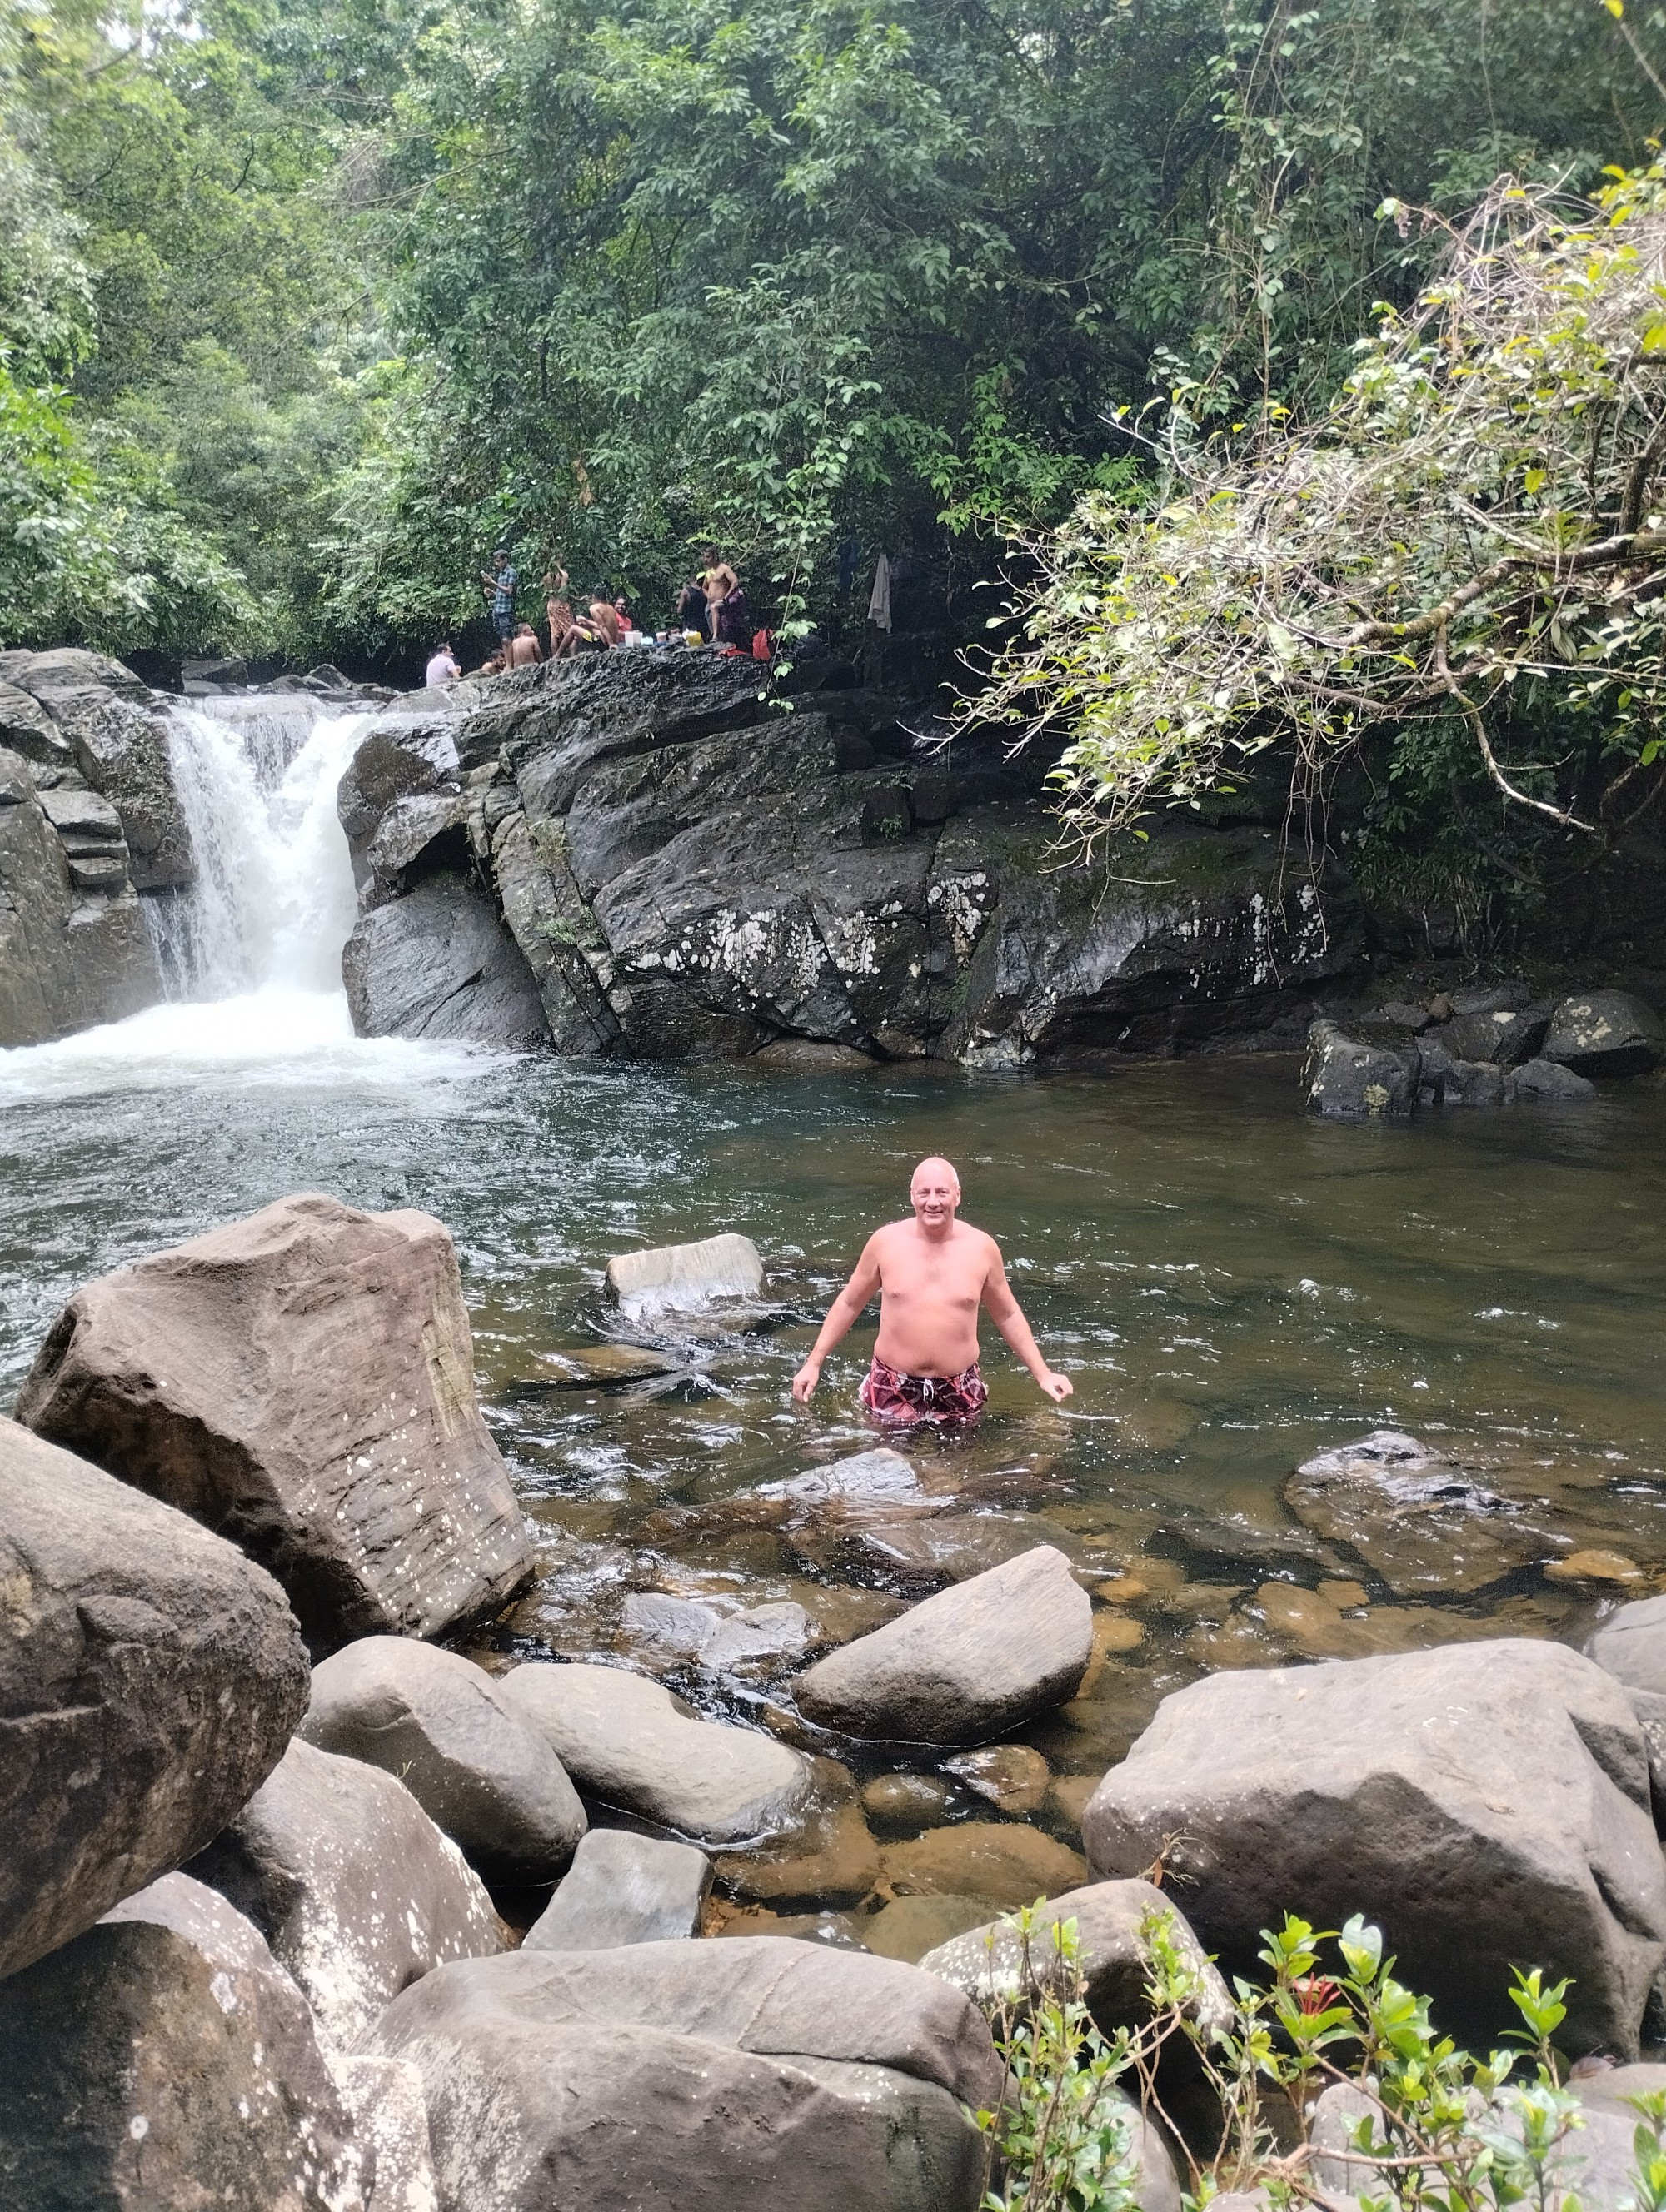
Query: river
1231, 1286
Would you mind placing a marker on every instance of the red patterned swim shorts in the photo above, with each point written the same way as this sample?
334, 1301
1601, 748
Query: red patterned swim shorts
891, 1395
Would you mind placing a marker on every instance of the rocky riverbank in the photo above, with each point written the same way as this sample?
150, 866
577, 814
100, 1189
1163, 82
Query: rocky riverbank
89, 818
398, 1930
682, 868
642, 855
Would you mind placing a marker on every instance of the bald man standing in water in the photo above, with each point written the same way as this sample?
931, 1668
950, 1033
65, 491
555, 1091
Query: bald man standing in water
932, 1273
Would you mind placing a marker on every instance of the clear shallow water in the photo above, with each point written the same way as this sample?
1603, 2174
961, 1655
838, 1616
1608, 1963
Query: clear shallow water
1231, 1286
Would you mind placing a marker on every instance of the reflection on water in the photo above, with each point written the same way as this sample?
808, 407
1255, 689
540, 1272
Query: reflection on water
1231, 1286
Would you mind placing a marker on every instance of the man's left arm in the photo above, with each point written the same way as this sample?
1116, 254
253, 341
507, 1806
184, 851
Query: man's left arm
1007, 1315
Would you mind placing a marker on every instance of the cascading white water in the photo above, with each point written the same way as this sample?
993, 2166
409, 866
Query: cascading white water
273, 903
251, 955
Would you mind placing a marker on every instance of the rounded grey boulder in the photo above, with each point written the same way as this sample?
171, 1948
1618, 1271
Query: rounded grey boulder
1113, 1956
1631, 1644
968, 1665
1605, 1033
1486, 1805
351, 1884
149, 1679
629, 1743
189, 2062
713, 2076
479, 1771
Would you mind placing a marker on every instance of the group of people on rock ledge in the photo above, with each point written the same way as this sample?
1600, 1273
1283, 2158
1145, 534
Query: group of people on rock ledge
711, 608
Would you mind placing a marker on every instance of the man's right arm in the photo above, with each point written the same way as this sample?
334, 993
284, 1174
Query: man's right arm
841, 1317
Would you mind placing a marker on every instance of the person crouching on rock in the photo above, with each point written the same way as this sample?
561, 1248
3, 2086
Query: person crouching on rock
932, 1273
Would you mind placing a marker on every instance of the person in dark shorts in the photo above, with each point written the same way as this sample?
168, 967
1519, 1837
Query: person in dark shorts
932, 1273
500, 583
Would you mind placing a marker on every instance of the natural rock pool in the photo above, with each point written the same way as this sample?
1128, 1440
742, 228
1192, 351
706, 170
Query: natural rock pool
1233, 1288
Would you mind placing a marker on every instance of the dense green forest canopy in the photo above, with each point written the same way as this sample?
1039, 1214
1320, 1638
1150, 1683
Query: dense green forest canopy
307, 303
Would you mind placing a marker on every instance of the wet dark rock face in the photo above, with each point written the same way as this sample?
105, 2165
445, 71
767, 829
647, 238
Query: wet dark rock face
89, 818
691, 870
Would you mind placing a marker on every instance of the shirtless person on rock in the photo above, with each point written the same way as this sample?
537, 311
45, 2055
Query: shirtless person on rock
931, 1274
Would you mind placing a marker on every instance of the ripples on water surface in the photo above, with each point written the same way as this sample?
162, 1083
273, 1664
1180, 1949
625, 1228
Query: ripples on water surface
1231, 1286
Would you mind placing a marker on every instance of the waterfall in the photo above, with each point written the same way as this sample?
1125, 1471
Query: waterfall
250, 954
273, 903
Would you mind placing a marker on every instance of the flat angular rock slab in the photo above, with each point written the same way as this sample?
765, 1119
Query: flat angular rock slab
1548, 1080
303, 1383
973, 1663
629, 1743
1506, 1035
437, 963
189, 2062
685, 1631
119, 738
623, 1888
1347, 1078
482, 1773
351, 1884
1631, 1644
1420, 1522
714, 2076
1605, 1033
601, 1366
149, 1677
682, 1278
1486, 1805
1113, 1956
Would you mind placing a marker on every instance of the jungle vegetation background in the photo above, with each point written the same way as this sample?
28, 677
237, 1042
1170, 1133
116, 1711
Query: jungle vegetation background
306, 304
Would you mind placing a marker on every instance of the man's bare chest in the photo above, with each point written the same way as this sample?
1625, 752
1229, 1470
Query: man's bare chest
921, 1280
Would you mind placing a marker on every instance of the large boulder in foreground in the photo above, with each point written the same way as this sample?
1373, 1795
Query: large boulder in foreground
1486, 1805
149, 1679
718, 2077
163, 2061
302, 1382
478, 1770
351, 1884
972, 1663
1605, 1033
630, 1744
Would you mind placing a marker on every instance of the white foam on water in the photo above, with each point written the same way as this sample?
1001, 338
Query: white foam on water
256, 1039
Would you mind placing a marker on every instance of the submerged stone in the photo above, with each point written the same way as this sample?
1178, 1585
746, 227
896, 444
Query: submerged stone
1420, 1522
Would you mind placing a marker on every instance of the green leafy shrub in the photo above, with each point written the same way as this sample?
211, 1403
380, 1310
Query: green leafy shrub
1443, 2131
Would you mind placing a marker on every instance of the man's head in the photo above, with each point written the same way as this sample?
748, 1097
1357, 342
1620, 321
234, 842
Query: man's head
444, 645
934, 1193
501, 556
